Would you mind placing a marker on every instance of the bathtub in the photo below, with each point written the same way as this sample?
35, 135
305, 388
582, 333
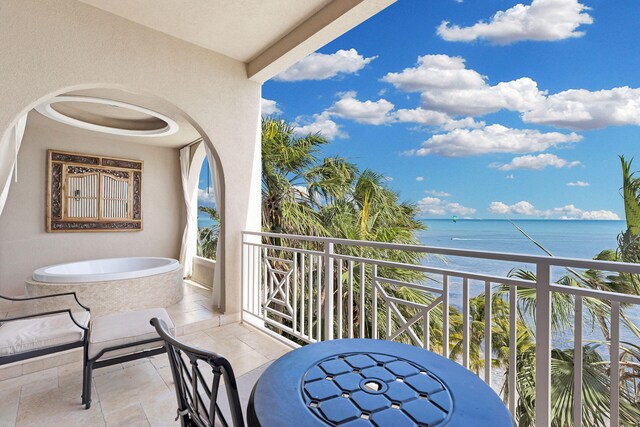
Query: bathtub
110, 285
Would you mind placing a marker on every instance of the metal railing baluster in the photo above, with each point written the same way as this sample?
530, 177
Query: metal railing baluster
488, 350
577, 364
614, 356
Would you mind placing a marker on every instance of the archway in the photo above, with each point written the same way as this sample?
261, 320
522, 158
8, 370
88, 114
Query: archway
154, 103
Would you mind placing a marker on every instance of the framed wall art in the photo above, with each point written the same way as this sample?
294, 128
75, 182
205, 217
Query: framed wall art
93, 193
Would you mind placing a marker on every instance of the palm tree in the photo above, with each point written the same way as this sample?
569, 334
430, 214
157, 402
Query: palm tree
208, 236
303, 194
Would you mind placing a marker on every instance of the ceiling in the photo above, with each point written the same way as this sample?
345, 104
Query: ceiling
239, 29
124, 118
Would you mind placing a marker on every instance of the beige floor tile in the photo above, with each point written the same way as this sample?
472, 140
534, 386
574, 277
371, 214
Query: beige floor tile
245, 362
186, 306
135, 362
181, 318
265, 345
202, 325
9, 400
130, 416
18, 382
70, 374
159, 360
40, 386
233, 330
162, 410
167, 377
58, 407
136, 384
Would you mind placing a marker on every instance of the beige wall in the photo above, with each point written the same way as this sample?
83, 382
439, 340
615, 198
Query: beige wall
26, 246
55, 46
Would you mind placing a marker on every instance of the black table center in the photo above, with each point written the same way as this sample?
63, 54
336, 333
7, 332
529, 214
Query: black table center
372, 389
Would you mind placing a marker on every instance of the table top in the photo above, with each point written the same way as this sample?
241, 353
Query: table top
362, 382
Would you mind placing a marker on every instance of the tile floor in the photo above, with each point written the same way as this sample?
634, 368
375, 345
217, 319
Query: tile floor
137, 393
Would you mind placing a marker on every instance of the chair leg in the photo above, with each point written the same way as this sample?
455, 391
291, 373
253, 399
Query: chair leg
88, 374
85, 357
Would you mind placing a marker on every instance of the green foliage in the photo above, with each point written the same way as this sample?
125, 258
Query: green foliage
208, 236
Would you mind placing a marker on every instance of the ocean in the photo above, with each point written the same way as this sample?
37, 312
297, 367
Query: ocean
563, 238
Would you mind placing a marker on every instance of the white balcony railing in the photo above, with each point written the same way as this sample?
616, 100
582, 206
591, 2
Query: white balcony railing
310, 289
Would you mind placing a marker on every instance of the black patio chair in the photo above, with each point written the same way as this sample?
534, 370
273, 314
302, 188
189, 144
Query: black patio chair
197, 400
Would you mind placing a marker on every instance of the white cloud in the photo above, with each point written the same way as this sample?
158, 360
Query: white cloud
436, 206
578, 184
510, 176
206, 198
322, 124
571, 212
320, 66
538, 162
448, 86
434, 118
566, 212
436, 72
520, 208
449, 90
367, 112
419, 178
515, 95
492, 139
438, 193
269, 107
581, 109
542, 20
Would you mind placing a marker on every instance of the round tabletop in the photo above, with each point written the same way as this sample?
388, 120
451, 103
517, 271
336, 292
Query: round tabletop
363, 382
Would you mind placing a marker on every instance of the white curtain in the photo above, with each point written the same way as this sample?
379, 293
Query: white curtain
215, 187
190, 235
9, 147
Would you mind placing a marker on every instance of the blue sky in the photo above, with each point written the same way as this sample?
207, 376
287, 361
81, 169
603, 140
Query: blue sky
481, 108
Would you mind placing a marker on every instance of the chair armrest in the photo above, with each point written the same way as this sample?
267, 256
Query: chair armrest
47, 313
47, 296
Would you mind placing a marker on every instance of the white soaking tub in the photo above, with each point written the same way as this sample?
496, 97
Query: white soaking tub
111, 285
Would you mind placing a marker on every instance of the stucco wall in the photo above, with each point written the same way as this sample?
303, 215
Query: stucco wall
54, 46
26, 246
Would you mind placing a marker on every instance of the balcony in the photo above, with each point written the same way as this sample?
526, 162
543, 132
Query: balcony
300, 289
309, 289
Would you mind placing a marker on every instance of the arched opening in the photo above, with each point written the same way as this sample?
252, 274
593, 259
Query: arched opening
122, 137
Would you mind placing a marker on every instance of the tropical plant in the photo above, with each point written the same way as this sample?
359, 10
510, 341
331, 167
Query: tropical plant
208, 236
303, 194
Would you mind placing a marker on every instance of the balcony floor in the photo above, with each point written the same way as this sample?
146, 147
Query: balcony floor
137, 393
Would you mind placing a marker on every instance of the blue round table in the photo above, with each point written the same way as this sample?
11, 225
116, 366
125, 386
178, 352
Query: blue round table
362, 382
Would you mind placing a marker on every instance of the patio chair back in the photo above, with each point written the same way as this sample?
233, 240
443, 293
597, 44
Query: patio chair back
196, 390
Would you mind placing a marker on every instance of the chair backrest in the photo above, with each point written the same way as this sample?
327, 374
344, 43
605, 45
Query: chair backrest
197, 400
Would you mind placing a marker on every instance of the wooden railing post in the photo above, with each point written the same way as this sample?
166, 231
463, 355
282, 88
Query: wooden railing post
543, 344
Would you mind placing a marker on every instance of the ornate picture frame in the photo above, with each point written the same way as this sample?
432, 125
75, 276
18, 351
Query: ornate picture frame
93, 193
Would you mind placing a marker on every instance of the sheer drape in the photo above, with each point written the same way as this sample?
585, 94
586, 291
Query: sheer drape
9, 148
189, 190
